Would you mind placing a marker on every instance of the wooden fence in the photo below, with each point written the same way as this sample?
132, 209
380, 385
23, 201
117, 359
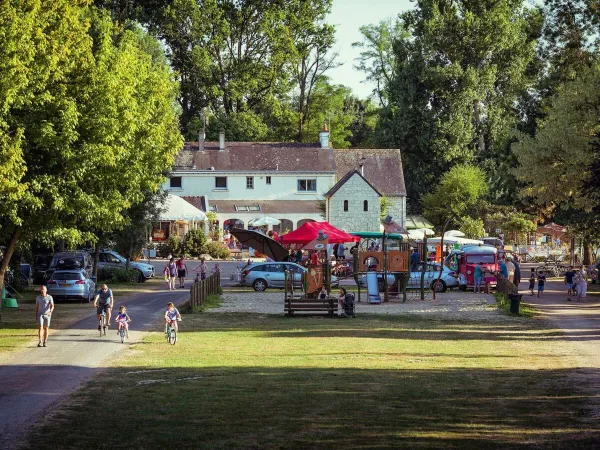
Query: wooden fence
505, 286
200, 290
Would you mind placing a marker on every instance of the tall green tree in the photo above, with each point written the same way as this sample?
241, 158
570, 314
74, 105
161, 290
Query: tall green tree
377, 59
239, 56
458, 76
90, 116
456, 195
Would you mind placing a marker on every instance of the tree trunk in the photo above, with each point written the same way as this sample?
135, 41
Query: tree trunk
96, 256
10, 249
587, 253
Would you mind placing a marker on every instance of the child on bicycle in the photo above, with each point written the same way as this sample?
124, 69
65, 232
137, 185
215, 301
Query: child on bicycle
123, 320
171, 316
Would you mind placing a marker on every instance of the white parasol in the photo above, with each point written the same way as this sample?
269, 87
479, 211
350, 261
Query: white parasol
262, 221
177, 208
455, 233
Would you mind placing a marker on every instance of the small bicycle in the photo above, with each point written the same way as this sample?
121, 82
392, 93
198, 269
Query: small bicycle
123, 333
171, 332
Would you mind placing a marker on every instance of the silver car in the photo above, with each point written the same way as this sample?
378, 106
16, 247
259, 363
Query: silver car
449, 279
71, 284
111, 259
272, 275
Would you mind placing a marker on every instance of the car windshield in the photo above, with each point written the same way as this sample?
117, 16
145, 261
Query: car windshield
64, 257
63, 276
476, 259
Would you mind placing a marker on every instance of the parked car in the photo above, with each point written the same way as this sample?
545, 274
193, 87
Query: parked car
77, 260
111, 259
71, 284
272, 275
449, 279
39, 268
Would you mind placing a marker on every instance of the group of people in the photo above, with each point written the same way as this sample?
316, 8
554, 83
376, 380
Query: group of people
177, 270
104, 304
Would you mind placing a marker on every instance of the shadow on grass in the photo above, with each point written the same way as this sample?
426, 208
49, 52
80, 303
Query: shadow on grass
261, 407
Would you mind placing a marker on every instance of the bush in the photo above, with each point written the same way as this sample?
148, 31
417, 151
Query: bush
171, 246
117, 275
217, 251
194, 243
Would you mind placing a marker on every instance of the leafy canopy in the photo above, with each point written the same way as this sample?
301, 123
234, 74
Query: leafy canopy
458, 191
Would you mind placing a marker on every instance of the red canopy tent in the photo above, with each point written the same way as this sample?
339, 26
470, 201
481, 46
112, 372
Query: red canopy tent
310, 230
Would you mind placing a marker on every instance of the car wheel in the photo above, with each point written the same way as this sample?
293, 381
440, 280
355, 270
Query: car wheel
463, 288
259, 285
441, 285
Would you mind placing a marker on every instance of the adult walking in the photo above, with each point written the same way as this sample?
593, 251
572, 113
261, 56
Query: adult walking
44, 306
104, 301
170, 271
181, 271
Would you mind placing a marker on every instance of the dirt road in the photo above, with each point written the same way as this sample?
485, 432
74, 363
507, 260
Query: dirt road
579, 320
32, 379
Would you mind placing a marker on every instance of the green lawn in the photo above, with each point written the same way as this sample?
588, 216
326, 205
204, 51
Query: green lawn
265, 382
18, 326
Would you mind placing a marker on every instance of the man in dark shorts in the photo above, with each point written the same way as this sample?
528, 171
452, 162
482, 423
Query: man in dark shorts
569, 276
104, 302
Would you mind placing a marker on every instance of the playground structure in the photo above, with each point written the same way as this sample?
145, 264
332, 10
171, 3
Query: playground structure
310, 292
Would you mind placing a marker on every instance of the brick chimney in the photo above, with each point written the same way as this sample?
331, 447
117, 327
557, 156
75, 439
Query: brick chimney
324, 137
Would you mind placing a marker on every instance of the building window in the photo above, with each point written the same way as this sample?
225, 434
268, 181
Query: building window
307, 185
249, 182
175, 182
268, 180
345, 205
220, 182
366, 205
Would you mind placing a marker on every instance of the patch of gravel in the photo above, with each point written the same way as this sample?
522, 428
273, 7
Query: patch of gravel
458, 305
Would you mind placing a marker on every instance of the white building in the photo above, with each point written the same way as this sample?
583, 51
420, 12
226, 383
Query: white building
241, 181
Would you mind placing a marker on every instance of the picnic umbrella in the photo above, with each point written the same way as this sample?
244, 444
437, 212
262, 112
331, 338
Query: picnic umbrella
261, 243
455, 233
262, 221
310, 230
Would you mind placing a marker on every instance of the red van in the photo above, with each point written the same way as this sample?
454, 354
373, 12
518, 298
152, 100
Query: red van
463, 261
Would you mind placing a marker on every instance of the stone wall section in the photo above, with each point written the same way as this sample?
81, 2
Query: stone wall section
355, 191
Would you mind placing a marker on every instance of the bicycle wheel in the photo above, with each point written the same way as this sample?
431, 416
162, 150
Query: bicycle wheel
541, 269
168, 334
562, 270
122, 335
173, 336
100, 325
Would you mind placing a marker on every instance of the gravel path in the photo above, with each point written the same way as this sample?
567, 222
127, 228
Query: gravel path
463, 305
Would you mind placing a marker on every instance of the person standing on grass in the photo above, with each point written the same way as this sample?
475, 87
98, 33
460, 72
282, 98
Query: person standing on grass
181, 271
44, 306
503, 268
569, 277
541, 280
532, 281
517, 275
478, 275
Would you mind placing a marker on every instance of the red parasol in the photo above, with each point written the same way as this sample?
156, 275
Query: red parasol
310, 231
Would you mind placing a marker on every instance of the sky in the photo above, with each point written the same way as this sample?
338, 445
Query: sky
348, 16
